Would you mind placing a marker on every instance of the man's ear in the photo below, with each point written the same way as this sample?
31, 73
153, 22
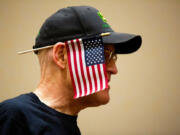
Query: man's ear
60, 54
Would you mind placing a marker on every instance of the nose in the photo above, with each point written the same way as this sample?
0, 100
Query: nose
112, 68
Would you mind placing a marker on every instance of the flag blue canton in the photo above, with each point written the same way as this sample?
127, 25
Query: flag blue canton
94, 51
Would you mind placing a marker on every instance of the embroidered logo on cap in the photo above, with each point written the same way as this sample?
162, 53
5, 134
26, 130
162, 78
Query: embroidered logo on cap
105, 25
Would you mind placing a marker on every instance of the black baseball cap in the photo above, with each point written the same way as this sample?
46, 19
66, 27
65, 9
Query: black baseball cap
83, 21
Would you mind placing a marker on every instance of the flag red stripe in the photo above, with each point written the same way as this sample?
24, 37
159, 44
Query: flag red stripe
105, 73
89, 78
94, 76
70, 69
75, 66
100, 77
81, 66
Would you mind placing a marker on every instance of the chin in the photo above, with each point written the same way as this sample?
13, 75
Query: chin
97, 99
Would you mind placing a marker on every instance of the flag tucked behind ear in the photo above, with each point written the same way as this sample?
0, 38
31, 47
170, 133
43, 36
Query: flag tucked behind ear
87, 65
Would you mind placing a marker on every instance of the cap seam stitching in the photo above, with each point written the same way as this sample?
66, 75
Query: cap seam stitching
80, 22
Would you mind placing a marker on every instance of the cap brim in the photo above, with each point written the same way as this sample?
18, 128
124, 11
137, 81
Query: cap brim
124, 43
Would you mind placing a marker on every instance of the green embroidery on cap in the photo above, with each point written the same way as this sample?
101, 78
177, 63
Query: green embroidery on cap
38, 33
105, 25
102, 17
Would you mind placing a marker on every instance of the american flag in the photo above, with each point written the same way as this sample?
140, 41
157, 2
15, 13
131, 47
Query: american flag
86, 65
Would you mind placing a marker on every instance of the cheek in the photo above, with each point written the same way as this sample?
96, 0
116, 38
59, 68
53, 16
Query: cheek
69, 81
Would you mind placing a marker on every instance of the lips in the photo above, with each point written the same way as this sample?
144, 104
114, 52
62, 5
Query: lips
108, 78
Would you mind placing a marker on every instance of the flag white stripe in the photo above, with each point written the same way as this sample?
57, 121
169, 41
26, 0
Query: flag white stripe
92, 79
78, 67
103, 77
84, 66
73, 68
97, 77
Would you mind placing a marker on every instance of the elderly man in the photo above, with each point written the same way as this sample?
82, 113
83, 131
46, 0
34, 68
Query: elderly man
76, 63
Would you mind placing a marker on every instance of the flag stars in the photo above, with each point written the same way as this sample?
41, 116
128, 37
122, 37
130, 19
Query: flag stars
94, 52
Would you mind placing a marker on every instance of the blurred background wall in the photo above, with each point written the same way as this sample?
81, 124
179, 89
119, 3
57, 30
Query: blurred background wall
145, 95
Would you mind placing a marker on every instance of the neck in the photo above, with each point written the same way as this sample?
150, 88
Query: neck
57, 96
